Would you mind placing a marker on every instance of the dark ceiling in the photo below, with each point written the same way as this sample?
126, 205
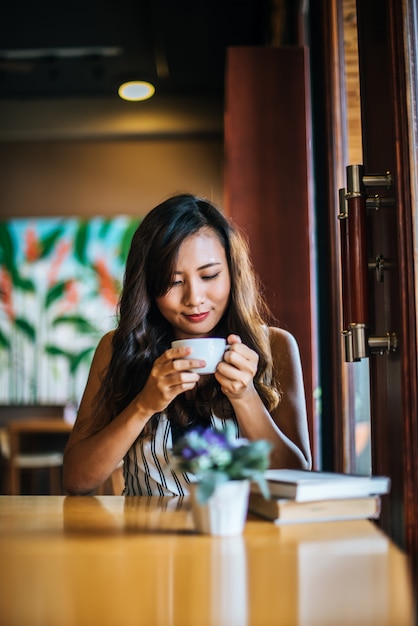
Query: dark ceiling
88, 48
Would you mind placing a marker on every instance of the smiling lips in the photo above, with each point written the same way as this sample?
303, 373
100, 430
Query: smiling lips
197, 317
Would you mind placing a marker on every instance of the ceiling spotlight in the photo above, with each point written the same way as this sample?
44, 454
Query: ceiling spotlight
136, 90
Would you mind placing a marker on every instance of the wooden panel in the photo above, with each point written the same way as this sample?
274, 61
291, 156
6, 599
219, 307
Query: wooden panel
330, 153
393, 302
267, 187
352, 83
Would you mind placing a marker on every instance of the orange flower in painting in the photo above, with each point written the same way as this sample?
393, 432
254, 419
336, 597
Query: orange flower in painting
71, 297
33, 249
107, 285
62, 251
71, 292
6, 293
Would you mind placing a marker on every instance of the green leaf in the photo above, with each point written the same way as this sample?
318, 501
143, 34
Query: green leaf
53, 350
74, 359
104, 228
48, 242
7, 249
208, 483
55, 293
126, 240
262, 484
26, 328
8, 259
4, 341
79, 323
77, 359
81, 242
24, 284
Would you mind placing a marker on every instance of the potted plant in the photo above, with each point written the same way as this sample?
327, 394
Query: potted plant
222, 466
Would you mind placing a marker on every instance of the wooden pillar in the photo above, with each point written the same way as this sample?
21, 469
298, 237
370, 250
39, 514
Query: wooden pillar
268, 189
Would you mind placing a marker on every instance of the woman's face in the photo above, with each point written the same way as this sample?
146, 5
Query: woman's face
199, 294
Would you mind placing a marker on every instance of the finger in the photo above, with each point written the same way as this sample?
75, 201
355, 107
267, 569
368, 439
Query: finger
233, 387
241, 372
178, 353
233, 339
171, 386
169, 355
182, 385
187, 364
239, 357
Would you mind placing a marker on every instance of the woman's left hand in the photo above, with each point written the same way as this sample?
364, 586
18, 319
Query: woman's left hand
237, 370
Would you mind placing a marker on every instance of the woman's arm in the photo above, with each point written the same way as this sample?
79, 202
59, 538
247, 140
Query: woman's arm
90, 458
286, 427
290, 416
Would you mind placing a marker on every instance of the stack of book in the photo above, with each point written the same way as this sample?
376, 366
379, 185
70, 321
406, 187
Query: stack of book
307, 496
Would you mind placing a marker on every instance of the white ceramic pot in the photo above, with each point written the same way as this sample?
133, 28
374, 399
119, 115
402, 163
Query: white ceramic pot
225, 512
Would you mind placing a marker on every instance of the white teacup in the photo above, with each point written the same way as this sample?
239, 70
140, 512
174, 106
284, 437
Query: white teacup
209, 349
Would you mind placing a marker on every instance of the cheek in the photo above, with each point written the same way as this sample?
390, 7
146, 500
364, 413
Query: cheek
221, 291
164, 303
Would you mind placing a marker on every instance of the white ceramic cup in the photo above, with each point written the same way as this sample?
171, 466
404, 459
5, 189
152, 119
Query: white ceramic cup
209, 349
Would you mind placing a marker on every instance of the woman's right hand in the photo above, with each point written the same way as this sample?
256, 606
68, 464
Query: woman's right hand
171, 375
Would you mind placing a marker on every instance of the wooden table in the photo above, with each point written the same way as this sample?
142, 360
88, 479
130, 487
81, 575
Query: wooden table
110, 560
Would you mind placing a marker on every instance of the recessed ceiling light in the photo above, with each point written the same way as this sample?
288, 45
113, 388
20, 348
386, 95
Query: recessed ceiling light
135, 90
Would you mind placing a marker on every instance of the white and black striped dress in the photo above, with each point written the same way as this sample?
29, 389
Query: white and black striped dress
147, 469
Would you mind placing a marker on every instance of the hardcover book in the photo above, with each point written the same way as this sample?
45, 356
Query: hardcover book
302, 486
288, 511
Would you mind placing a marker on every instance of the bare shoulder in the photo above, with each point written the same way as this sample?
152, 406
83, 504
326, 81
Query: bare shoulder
104, 347
99, 365
281, 336
102, 355
290, 415
283, 345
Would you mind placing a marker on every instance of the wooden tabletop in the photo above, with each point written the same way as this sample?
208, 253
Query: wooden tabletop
109, 560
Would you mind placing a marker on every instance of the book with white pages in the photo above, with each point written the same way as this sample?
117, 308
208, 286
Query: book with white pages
304, 485
289, 511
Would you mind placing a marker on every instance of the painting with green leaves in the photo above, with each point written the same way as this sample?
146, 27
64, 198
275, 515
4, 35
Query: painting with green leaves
60, 281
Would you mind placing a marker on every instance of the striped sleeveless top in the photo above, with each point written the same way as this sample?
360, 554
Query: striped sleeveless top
146, 466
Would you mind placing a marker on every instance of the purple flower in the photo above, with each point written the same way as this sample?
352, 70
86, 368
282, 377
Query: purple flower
188, 453
215, 438
215, 456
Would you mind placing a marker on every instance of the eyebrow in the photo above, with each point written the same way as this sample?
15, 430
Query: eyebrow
203, 267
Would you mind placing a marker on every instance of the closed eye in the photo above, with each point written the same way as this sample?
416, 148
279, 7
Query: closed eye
176, 283
211, 276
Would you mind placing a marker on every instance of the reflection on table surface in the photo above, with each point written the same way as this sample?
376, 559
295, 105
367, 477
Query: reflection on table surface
112, 560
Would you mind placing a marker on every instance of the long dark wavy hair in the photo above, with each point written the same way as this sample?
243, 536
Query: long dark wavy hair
143, 334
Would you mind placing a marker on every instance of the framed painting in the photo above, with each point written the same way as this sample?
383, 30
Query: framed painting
60, 281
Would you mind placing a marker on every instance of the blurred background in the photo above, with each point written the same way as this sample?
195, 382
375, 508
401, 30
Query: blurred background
235, 128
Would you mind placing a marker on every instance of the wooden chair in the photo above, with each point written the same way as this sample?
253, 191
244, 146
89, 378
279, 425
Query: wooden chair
16, 460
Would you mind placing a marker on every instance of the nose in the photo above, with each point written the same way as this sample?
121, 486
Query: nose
194, 293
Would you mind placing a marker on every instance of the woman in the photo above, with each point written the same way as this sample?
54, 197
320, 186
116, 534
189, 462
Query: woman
188, 274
